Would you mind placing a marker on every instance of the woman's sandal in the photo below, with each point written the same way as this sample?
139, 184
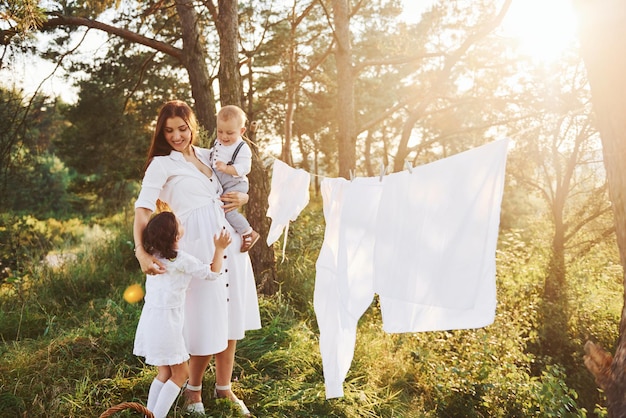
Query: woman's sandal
196, 407
242, 406
248, 240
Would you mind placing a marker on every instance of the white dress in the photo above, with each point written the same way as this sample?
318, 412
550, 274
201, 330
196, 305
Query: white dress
215, 311
159, 336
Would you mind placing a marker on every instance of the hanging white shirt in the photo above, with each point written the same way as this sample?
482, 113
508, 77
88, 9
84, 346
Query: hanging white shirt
289, 194
424, 241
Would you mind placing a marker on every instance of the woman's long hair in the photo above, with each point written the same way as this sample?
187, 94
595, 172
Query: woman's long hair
171, 109
159, 235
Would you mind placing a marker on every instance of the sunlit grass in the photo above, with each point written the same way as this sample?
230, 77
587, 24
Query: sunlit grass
67, 338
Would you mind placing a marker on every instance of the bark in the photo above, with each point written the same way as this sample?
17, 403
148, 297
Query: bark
60, 20
231, 91
194, 59
346, 117
603, 37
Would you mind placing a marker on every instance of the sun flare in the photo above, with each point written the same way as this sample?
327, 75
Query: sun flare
544, 28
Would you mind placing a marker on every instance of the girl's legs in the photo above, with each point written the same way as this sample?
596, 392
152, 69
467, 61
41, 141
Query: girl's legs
153, 393
162, 376
170, 390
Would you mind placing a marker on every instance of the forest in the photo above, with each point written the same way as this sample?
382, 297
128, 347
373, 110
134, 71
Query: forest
338, 88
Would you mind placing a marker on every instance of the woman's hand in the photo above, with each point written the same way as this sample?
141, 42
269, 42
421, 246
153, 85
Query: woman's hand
234, 200
148, 263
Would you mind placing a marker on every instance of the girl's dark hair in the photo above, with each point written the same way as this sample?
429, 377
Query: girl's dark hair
159, 235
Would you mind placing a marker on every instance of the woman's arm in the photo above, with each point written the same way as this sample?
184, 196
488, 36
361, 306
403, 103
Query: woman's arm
234, 200
148, 263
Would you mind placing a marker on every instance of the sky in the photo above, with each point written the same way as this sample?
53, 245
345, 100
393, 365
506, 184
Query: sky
544, 27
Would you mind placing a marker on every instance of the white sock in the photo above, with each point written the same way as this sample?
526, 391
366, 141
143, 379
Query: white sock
167, 396
153, 393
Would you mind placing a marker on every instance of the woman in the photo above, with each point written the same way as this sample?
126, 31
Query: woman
217, 313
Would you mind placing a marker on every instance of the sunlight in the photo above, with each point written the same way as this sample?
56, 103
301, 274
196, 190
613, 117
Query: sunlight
543, 28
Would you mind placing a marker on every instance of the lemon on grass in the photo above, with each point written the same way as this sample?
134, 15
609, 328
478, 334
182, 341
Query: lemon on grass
133, 293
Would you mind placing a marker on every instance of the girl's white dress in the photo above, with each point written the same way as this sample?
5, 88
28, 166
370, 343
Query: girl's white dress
215, 311
159, 336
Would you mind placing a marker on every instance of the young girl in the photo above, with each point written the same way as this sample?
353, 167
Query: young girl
159, 336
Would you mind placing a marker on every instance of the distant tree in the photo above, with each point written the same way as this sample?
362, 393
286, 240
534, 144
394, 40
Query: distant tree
32, 179
558, 158
111, 124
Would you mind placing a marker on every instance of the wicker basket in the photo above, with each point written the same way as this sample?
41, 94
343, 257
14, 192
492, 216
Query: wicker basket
127, 405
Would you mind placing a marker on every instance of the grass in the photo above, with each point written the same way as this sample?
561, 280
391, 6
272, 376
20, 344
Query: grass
67, 338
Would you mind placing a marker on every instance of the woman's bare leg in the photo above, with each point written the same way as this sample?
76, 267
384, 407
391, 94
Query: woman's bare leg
197, 367
224, 363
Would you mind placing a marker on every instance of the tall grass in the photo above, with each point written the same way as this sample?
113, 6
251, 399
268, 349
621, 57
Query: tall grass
67, 338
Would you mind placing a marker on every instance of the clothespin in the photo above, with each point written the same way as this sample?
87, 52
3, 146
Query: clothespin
382, 171
351, 174
408, 166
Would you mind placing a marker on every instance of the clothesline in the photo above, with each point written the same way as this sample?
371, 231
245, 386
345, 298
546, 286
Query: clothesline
407, 164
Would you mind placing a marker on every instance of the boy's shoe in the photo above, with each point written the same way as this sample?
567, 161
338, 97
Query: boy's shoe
248, 240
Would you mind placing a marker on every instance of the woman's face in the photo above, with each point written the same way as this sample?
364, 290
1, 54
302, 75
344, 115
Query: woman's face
177, 133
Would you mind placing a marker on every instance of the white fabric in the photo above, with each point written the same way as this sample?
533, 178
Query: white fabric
153, 393
289, 194
159, 335
213, 309
344, 272
416, 273
168, 394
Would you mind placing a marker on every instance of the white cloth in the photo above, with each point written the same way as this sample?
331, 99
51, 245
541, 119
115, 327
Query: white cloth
344, 272
424, 241
159, 335
289, 194
215, 311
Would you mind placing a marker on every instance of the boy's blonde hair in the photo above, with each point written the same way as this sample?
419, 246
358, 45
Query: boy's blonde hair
231, 111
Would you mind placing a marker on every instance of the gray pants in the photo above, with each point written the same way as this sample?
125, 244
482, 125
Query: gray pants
235, 184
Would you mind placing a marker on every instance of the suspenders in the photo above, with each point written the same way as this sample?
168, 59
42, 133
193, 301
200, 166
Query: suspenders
232, 160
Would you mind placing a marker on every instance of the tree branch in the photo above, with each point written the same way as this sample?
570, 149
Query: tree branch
61, 20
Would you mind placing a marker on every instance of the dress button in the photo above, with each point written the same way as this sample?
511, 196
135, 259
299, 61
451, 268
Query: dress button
227, 299
225, 270
225, 256
226, 284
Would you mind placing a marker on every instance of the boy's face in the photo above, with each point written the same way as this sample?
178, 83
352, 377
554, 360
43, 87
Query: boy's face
228, 131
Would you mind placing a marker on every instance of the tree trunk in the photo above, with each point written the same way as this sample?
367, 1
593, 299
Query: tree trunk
603, 37
194, 60
231, 93
346, 135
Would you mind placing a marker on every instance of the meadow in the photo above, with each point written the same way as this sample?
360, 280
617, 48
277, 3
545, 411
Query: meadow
67, 335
